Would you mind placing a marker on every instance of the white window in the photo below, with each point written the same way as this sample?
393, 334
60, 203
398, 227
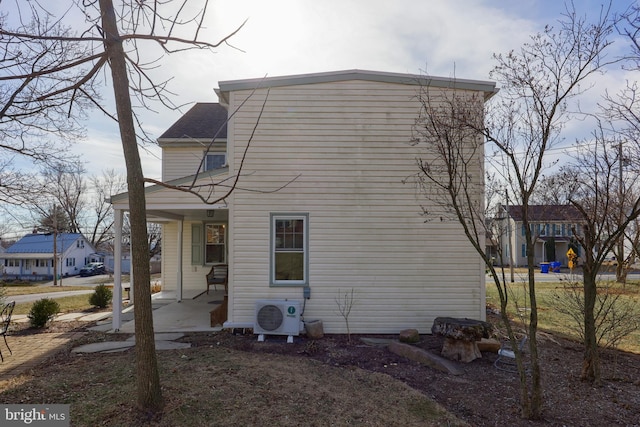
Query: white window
289, 249
9, 262
215, 161
543, 229
215, 244
557, 229
70, 262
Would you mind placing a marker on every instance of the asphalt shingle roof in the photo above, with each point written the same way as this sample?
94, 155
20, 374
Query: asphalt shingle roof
203, 120
546, 213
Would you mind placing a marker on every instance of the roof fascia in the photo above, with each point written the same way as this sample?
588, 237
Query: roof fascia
124, 197
188, 141
488, 87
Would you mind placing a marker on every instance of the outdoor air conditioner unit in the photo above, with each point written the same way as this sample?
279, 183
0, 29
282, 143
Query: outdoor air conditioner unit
276, 317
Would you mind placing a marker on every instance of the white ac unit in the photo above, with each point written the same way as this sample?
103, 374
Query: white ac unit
276, 317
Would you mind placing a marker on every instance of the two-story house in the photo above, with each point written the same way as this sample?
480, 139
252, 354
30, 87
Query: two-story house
32, 256
552, 226
320, 206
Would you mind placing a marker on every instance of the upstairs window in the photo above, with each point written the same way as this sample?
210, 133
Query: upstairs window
289, 249
215, 161
557, 230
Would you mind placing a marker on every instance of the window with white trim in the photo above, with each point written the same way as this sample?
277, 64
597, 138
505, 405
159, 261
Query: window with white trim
215, 161
557, 229
215, 244
289, 249
70, 262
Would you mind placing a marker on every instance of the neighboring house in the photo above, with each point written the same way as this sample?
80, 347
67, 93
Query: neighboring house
32, 256
2, 251
109, 262
321, 206
552, 227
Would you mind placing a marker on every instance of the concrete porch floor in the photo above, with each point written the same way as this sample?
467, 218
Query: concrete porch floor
192, 314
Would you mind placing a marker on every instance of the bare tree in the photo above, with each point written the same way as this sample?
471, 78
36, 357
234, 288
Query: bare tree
538, 82
591, 182
64, 183
55, 220
99, 225
51, 69
450, 178
34, 127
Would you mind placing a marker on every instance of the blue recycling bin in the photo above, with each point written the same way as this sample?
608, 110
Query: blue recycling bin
544, 267
555, 266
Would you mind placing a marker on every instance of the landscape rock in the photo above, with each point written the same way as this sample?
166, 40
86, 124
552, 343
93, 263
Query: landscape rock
314, 329
461, 336
422, 356
409, 336
490, 345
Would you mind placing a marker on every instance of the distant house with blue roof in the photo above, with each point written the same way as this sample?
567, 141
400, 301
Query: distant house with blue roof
32, 256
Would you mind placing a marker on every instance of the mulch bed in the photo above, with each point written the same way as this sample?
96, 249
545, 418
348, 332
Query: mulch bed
482, 395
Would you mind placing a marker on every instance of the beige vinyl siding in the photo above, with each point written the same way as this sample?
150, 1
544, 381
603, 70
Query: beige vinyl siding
183, 161
193, 276
342, 151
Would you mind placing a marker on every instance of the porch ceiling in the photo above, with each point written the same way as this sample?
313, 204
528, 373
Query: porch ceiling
168, 215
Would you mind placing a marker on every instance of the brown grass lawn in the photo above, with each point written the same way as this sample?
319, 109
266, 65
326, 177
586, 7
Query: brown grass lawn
213, 385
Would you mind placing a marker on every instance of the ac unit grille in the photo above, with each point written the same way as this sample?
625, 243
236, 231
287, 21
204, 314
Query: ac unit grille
277, 317
269, 317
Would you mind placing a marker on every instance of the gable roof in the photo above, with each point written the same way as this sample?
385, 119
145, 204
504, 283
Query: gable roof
43, 243
546, 213
203, 120
488, 87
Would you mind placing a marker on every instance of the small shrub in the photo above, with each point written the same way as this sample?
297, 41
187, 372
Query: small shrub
42, 311
101, 297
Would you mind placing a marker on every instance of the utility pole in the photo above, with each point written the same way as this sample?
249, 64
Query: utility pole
55, 245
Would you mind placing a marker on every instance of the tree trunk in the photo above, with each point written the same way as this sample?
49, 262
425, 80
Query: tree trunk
147, 376
591, 360
536, 384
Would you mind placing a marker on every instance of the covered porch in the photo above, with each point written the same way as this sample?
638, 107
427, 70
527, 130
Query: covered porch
194, 239
552, 247
191, 314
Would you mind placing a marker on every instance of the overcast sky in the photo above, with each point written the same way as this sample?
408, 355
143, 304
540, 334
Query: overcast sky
284, 37
438, 37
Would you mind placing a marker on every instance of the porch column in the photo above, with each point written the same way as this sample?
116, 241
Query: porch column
179, 272
117, 271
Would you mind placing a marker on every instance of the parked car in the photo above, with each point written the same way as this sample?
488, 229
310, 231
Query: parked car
92, 269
